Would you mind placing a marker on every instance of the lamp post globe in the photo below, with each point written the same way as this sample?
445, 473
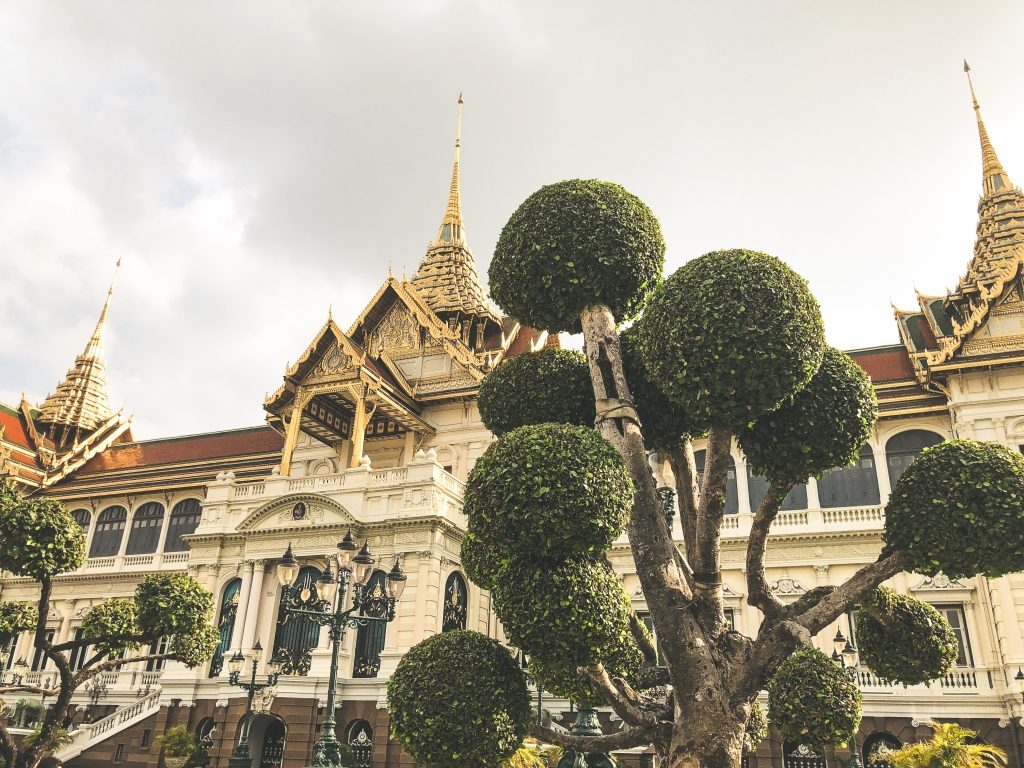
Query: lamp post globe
845, 657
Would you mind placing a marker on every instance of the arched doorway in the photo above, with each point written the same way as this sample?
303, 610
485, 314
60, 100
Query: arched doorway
266, 741
360, 739
877, 747
801, 756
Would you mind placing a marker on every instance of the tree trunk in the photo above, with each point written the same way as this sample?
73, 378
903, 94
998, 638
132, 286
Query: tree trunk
707, 740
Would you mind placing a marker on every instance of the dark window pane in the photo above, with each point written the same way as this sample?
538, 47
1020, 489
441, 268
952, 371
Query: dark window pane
297, 636
732, 497
184, 520
757, 485
106, 539
370, 639
954, 614
39, 660
226, 624
852, 486
902, 449
147, 522
455, 609
82, 517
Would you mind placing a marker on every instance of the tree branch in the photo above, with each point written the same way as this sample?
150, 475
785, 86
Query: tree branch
8, 749
643, 639
684, 469
758, 593
624, 739
87, 673
710, 513
621, 705
649, 677
855, 590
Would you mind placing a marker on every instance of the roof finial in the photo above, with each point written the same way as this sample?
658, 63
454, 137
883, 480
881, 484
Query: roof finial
993, 177
94, 347
452, 231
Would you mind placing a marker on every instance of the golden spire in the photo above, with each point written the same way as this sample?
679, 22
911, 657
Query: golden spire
994, 178
452, 230
80, 403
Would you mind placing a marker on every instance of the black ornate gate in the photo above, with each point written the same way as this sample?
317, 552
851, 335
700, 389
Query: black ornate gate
297, 636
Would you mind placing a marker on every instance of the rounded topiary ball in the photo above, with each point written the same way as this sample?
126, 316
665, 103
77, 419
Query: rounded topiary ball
959, 509
113, 625
17, 617
731, 335
40, 538
459, 700
573, 611
663, 423
904, 639
564, 679
822, 426
812, 701
574, 244
172, 603
481, 561
552, 385
549, 491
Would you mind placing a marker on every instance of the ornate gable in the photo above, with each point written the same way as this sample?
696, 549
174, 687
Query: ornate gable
297, 512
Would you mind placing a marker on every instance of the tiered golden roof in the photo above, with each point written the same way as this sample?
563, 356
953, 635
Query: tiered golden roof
80, 403
447, 278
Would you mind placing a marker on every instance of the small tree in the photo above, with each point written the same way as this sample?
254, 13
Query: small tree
41, 541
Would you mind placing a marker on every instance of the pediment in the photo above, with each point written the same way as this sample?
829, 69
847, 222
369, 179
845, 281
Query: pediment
1003, 327
940, 582
296, 512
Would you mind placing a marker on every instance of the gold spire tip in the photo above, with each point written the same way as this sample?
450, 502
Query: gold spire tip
970, 83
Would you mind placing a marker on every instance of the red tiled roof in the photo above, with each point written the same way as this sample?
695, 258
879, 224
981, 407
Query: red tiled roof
181, 449
525, 337
886, 364
14, 430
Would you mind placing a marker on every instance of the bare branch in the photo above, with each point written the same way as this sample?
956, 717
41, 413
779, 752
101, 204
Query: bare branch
88, 673
625, 739
624, 708
29, 689
758, 593
684, 469
710, 512
855, 590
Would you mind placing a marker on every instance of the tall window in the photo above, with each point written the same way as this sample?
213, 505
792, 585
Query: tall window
852, 486
297, 636
78, 655
106, 539
184, 520
902, 449
226, 624
757, 486
732, 497
730, 619
370, 639
157, 647
39, 659
147, 522
954, 614
82, 517
360, 739
9, 643
454, 614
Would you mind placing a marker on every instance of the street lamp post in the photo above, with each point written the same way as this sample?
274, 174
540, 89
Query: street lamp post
845, 655
329, 611
241, 757
96, 691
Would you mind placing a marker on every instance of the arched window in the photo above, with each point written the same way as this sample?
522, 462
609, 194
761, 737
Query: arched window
204, 733
360, 739
147, 522
757, 485
184, 520
226, 624
852, 486
732, 497
455, 593
106, 539
370, 639
83, 517
297, 636
902, 449
877, 747
801, 756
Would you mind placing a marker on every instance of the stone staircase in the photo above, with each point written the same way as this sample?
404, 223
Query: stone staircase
123, 717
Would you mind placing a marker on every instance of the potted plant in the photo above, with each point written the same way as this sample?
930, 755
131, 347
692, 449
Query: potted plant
177, 744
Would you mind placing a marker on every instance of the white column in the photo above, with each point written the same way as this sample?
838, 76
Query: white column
253, 608
65, 622
242, 609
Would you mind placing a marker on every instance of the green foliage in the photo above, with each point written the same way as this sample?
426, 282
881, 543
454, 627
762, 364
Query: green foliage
459, 700
524, 757
60, 739
481, 561
17, 617
822, 426
574, 612
574, 244
959, 509
757, 728
948, 748
113, 626
731, 335
904, 639
563, 679
549, 491
812, 701
664, 423
195, 647
172, 604
176, 742
552, 385
40, 538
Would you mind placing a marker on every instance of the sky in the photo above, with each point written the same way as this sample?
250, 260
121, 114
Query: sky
256, 163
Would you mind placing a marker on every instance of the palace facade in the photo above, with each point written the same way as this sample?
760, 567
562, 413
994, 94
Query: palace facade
375, 428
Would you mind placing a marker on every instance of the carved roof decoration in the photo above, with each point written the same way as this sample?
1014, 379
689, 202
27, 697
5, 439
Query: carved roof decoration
278, 514
937, 335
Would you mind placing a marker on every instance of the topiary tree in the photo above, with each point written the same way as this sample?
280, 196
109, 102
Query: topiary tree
47, 542
904, 639
552, 385
732, 344
459, 700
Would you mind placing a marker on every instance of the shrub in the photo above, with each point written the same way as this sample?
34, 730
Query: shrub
172, 604
459, 700
574, 244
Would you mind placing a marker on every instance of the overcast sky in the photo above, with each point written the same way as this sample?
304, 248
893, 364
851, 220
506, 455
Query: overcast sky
255, 162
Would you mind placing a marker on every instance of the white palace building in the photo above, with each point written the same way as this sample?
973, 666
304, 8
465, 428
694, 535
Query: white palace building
375, 427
